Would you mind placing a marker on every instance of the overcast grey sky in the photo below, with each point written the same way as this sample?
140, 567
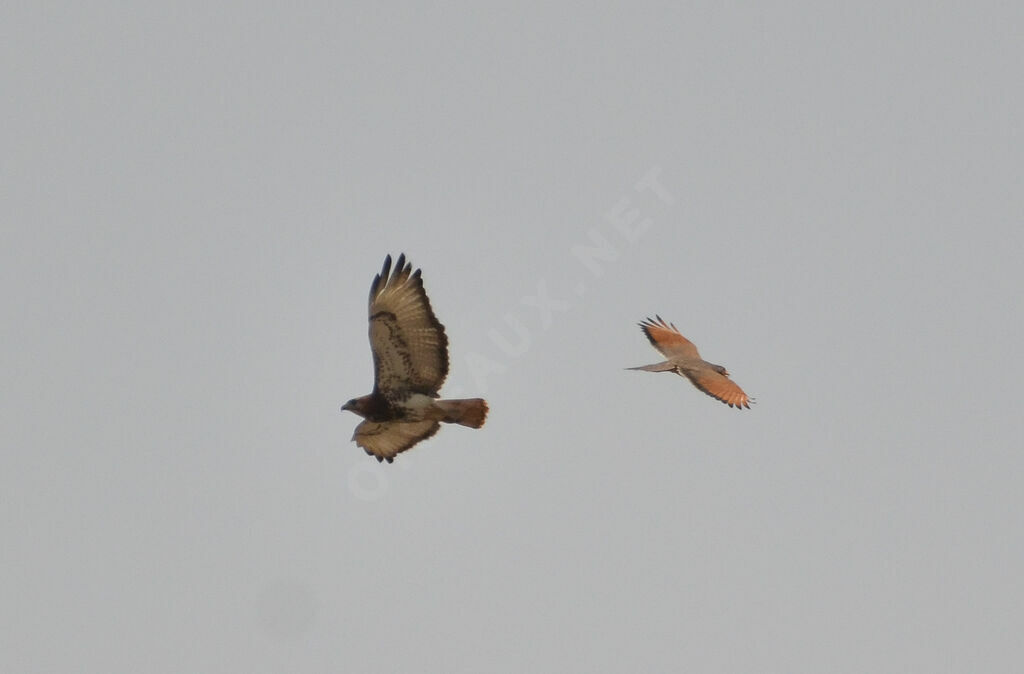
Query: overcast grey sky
195, 198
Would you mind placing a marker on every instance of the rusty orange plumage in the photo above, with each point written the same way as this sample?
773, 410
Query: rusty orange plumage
684, 360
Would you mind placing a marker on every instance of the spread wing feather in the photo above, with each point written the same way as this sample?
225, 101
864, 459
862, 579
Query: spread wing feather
386, 440
718, 386
410, 348
667, 339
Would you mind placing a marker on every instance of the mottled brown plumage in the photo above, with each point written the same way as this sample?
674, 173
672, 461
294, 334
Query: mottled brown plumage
410, 358
684, 360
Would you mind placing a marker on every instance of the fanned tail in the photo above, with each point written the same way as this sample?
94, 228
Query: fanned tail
468, 412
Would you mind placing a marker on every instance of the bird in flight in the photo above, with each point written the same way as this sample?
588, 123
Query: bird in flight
684, 360
410, 360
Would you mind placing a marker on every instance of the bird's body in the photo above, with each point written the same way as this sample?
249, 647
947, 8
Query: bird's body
413, 407
684, 360
410, 356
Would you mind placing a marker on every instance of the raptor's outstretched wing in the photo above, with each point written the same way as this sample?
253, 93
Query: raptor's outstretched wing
667, 339
387, 439
410, 349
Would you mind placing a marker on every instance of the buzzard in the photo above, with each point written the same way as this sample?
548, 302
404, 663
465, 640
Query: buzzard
410, 361
684, 360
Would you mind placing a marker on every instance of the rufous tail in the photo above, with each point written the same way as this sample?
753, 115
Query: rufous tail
469, 412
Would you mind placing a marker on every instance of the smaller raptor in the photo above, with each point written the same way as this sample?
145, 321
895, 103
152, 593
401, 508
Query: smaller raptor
684, 360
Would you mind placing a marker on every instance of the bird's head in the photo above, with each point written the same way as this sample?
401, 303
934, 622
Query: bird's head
361, 406
721, 370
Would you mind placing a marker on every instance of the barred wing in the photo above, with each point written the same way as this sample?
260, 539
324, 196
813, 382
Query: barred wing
410, 349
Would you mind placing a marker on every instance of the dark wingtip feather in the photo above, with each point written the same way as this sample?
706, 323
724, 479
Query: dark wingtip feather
645, 327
